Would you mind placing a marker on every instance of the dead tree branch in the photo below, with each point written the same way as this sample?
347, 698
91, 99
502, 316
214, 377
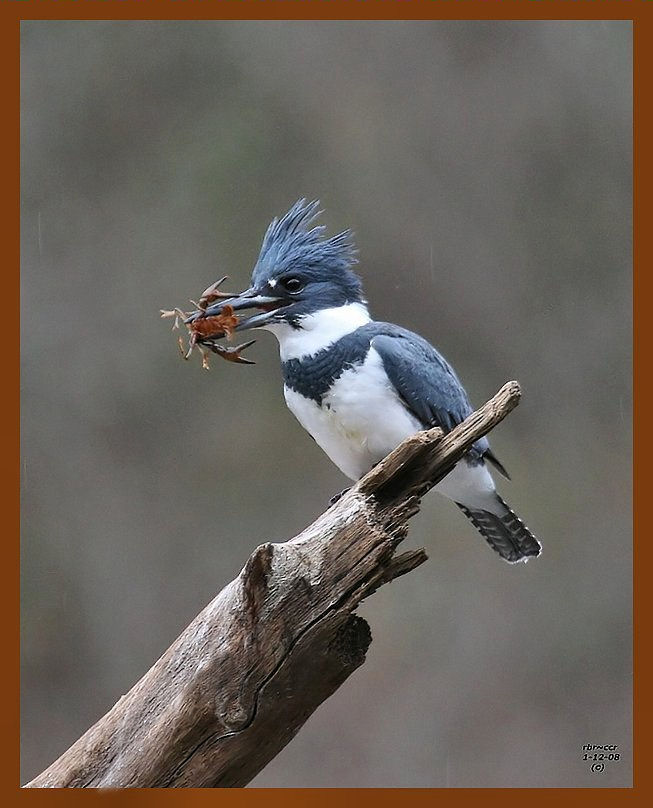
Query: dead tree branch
240, 681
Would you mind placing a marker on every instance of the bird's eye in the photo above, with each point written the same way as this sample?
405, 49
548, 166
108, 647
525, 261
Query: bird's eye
292, 285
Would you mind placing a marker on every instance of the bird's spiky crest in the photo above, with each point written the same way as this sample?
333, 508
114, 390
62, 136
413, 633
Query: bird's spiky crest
290, 240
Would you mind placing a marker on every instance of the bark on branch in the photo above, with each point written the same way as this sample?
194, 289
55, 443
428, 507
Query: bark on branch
241, 680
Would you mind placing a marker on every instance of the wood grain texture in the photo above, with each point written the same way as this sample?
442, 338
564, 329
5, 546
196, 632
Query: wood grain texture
241, 680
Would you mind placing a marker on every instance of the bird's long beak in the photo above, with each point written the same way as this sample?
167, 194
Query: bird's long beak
249, 299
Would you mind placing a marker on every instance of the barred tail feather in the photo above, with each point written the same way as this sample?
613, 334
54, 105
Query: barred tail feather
505, 533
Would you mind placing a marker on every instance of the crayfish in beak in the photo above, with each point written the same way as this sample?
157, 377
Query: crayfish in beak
205, 329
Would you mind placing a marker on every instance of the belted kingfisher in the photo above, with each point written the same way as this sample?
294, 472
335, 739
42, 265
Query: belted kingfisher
360, 387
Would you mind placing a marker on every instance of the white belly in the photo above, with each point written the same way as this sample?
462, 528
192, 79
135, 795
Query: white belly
361, 419
470, 485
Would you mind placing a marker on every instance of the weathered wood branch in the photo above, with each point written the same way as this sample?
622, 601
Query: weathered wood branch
240, 681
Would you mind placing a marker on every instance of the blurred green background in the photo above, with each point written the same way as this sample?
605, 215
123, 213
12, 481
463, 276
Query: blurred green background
486, 170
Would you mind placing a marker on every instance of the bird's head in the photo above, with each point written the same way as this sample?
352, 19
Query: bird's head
299, 273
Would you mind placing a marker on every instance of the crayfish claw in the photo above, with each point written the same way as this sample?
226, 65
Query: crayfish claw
236, 351
243, 345
211, 293
231, 354
213, 287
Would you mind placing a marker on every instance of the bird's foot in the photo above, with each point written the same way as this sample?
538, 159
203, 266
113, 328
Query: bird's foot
336, 497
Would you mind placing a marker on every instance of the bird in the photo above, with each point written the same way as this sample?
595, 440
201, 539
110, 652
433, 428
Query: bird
360, 387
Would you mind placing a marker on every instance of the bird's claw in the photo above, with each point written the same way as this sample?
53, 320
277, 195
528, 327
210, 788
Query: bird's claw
336, 497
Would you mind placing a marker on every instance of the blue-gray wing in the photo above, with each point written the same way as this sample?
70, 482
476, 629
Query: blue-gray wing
425, 381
